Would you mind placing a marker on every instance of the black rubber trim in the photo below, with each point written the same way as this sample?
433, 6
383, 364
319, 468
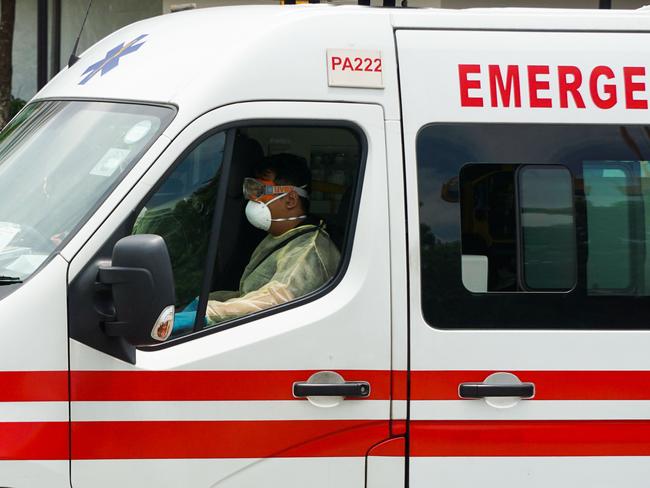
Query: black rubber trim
215, 233
405, 209
349, 389
483, 390
550, 30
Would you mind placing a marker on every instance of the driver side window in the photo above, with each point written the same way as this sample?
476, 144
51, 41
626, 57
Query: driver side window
226, 269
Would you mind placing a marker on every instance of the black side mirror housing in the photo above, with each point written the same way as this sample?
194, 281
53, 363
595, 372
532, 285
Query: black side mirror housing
142, 285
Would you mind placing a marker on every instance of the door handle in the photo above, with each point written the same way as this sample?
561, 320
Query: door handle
482, 390
358, 389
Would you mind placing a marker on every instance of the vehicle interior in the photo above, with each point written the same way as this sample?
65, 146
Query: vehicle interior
333, 156
182, 208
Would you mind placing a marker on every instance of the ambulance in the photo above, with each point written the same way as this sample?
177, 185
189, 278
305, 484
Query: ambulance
485, 177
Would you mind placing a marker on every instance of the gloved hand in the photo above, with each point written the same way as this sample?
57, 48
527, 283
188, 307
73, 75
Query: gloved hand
192, 306
183, 322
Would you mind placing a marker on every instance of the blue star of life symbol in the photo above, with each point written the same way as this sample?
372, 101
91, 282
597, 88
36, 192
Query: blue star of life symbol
112, 59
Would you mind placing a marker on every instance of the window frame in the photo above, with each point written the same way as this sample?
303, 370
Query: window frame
573, 310
346, 252
521, 255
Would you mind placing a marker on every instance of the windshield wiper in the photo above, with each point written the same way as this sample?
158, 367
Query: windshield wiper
9, 280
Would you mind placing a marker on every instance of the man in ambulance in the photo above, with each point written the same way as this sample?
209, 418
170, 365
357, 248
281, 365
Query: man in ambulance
295, 258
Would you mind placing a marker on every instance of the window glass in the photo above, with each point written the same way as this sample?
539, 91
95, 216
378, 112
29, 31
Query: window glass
259, 267
518, 232
547, 227
284, 220
58, 160
609, 220
181, 212
534, 226
489, 227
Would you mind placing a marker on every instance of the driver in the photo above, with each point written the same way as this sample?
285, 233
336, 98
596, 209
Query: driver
295, 258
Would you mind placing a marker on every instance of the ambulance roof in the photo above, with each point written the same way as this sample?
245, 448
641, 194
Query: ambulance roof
205, 58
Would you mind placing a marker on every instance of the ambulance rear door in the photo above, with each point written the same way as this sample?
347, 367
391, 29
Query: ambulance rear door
528, 192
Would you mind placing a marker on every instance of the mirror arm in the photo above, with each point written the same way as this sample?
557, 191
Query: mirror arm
115, 329
112, 275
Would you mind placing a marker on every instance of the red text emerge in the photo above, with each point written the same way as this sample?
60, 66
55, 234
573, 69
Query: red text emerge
544, 86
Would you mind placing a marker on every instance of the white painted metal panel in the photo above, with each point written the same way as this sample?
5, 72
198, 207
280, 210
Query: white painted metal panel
462, 443
239, 473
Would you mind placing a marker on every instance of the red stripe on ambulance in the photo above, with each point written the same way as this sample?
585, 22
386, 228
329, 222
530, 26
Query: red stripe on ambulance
276, 385
206, 385
20, 441
530, 438
262, 439
566, 86
225, 439
33, 386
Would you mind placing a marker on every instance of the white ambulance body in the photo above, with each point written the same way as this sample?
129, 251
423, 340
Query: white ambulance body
492, 288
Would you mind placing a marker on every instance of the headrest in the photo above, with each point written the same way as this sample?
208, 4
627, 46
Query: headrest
245, 153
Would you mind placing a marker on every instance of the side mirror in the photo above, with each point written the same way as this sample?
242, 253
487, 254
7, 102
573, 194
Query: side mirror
142, 284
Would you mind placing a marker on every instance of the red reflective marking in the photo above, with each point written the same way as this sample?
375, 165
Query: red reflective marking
20, 441
530, 438
549, 385
398, 427
33, 386
225, 439
206, 385
276, 385
399, 386
391, 447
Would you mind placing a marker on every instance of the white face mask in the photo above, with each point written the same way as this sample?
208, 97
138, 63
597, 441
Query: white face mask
259, 215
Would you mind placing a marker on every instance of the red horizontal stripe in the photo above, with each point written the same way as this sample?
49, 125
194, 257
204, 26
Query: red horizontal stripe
549, 385
400, 391
276, 385
228, 439
33, 386
398, 427
206, 385
21, 441
531, 438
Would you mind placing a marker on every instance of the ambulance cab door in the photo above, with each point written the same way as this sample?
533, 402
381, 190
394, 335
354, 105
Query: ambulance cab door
528, 189
290, 396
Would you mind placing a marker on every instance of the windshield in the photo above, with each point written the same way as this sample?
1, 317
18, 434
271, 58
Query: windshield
58, 159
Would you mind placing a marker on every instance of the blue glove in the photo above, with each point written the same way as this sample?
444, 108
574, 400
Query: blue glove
183, 322
192, 306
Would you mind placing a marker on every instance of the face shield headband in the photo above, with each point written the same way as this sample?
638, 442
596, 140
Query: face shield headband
254, 189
